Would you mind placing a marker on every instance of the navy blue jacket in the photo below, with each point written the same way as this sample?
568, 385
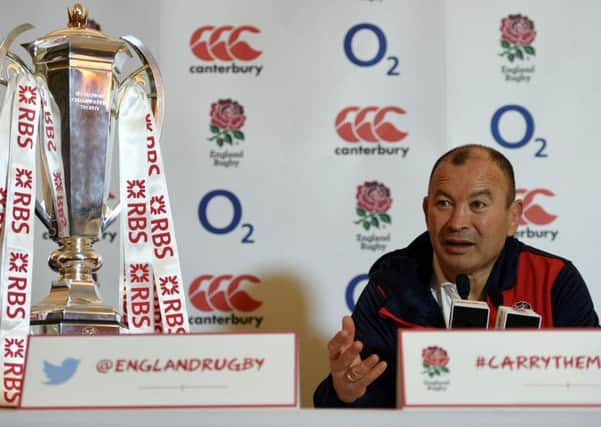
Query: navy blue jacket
398, 295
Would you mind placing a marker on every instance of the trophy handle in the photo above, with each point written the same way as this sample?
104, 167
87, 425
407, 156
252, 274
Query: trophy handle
40, 209
9, 39
157, 89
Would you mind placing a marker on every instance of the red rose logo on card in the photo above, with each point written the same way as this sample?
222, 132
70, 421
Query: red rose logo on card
373, 201
517, 35
435, 361
227, 119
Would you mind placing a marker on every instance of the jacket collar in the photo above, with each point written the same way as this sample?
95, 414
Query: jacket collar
405, 277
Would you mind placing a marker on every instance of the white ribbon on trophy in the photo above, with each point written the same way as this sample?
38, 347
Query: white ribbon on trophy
150, 260
16, 265
153, 285
51, 153
5, 124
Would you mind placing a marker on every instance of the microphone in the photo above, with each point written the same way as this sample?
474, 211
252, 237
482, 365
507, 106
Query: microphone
463, 285
520, 315
465, 313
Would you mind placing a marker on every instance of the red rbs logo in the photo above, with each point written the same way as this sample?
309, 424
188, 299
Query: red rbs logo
207, 293
370, 124
223, 43
534, 213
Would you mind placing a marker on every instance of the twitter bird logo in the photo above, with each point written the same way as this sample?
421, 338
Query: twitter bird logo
59, 374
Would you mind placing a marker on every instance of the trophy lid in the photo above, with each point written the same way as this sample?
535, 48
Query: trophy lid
77, 36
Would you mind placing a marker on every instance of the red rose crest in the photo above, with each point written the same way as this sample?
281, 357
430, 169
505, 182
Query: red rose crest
373, 201
517, 35
435, 361
227, 118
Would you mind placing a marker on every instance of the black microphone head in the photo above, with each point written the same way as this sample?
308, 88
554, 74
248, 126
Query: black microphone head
463, 285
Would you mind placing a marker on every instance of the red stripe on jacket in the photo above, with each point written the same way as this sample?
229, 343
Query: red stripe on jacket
535, 277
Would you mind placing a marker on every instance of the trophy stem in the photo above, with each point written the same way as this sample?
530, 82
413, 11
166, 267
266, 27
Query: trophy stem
73, 305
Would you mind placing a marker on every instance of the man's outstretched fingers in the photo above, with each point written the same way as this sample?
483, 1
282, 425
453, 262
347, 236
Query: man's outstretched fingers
358, 371
374, 373
351, 356
343, 338
348, 325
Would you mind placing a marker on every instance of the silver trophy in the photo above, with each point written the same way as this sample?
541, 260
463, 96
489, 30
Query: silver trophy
84, 70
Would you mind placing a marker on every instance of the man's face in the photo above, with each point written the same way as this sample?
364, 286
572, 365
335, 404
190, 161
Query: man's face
467, 215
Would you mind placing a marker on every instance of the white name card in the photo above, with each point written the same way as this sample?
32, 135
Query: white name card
555, 367
142, 371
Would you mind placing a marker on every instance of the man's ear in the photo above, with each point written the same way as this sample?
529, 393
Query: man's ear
515, 212
425, 209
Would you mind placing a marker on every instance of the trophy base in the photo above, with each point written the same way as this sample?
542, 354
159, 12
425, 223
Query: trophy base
74, 307
73, 328
88, 320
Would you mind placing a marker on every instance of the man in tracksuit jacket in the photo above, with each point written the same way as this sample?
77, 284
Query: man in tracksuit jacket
471, 214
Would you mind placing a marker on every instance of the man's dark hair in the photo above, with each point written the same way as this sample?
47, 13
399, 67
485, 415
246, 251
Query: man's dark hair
459, 155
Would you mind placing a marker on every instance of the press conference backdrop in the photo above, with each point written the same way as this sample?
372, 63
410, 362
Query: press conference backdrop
282, 116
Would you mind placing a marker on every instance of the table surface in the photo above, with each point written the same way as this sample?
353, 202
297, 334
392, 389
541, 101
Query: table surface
489, 417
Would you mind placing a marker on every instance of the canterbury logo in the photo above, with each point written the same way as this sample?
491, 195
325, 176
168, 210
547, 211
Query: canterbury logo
223, 43
534, 213
355, 124
207, 293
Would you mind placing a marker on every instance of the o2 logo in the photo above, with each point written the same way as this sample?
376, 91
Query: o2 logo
528, 134
233, 224
379, 54
353, 290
